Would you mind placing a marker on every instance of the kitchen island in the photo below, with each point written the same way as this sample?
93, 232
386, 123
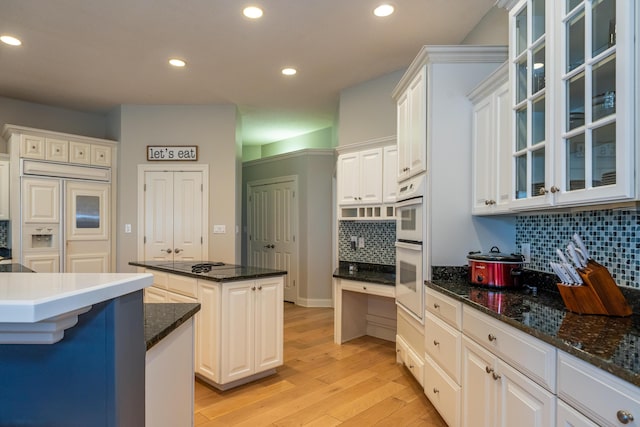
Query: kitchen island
239, 329
72, 349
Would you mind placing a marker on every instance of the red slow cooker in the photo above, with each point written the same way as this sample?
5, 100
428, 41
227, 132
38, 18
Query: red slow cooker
495, 269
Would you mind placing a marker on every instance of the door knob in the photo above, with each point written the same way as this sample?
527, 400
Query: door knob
178, 250
269, 246
166, 250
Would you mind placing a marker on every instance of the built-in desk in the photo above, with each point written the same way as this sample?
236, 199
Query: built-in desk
364, 304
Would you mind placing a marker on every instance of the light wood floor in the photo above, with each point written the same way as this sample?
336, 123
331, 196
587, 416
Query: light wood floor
322, 384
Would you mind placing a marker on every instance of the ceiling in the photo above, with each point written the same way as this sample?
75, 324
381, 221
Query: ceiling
92, 55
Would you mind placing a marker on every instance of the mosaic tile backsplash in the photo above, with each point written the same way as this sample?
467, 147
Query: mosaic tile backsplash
612, 237
379, 240
4, 234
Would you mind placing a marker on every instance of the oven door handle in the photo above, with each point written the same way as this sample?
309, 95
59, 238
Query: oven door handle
410, 246
416, 201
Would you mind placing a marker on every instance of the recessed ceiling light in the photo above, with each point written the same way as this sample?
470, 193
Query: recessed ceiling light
289, 71
177, 62
252, 12
10, 40
383, 10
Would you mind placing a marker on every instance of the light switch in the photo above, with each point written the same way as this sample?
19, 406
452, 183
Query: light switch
127, 228
219, 229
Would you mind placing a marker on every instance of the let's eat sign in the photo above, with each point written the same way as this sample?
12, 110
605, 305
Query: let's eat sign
172, 152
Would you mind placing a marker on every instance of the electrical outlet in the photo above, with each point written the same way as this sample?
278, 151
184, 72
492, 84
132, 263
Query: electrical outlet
525, 249
361, 242
219, 229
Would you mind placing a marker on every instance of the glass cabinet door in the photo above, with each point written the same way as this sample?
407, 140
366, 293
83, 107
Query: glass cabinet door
591, 158
529, 65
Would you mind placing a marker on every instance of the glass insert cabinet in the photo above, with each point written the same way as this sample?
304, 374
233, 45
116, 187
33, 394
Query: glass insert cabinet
573, 88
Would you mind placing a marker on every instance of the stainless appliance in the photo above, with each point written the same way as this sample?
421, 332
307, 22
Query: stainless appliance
410, 246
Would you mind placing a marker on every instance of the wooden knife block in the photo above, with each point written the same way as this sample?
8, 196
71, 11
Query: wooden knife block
598, 295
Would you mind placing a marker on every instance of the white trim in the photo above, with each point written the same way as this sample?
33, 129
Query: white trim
9, 129
145, 167
315, 302
371, 143
290, 155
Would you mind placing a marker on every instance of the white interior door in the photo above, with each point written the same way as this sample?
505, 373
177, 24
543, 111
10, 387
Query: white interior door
173, 205
273, 217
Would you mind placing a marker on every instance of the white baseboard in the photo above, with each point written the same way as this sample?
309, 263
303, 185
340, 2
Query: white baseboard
311, 302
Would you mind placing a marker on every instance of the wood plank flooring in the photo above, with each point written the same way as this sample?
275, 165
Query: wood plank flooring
322, 384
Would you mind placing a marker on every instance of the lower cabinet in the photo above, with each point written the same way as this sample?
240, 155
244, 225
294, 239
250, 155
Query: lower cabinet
569, 417
495, 394
239, 331
410, 344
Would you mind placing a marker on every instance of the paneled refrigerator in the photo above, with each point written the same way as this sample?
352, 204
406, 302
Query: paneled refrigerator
65, 218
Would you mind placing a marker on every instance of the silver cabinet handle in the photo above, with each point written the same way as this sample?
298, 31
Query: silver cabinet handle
166, 250
178, 250
625, 417
554, 189
492, 337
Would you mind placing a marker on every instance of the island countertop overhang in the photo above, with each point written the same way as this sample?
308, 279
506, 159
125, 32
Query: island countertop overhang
222, 273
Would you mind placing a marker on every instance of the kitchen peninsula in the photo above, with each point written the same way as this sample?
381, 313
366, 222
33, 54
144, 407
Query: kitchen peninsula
239, 329
72, 349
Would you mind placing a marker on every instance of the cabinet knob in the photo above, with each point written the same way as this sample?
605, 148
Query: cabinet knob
495, 376
259, 288
411, 366
397, 350
542, 191
436, 343
364, 287
554, 189
436, 305
492, 337
436, 391
488, 369
57, 150
625, 417
253, 288
81, 153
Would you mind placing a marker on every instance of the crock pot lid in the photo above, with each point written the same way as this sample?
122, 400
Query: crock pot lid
495, 255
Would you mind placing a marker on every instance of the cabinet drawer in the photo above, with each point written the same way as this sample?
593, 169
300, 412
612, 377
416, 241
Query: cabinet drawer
32, 147
531, 356
79, 152
100, 155
596, 393
56, 150
444, 307
443, 392
443, 344
368, 288
407, 356
183, 285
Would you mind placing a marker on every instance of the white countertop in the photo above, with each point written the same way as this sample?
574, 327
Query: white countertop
33, 297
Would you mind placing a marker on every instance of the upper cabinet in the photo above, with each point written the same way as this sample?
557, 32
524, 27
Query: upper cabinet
491, 136
412, 127
574, 101
367, 180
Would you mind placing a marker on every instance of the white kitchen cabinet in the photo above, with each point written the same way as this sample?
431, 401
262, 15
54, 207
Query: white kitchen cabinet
601, 397
100, 155
569, 417
390, 174
32, 147
56, 150
44, 262
574, 113
491, 144
154, 295
412, 126
494, 394
410, 344
239, 330
40, 201
5, 212
360, 177
79, 152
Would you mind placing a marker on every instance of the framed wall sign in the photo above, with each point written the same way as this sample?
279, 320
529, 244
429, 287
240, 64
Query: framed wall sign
172, 153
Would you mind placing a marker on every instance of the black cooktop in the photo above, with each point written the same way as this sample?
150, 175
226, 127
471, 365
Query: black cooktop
193, 266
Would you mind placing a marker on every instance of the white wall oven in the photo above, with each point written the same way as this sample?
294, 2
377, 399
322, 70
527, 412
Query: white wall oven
410, 239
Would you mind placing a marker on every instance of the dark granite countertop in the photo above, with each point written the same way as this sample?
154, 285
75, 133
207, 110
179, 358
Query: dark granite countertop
371, 273
14, 268
610, 343
160, 319
222, 273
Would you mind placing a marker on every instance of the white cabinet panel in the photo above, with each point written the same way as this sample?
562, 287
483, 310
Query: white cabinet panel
390, 174
360, 177
43, 262
32, 147
269, 324
412, 127
88, 208
100, 155
5, 213
56, 150
40, 201
208, 331
79, 152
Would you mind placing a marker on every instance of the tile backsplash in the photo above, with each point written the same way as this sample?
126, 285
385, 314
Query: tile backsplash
4, 234
612, 237
379, 240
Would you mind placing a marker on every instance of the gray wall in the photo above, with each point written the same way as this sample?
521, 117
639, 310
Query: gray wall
213, 129
493, 28
367, 110
314, 169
